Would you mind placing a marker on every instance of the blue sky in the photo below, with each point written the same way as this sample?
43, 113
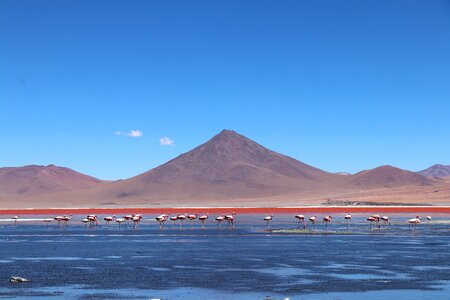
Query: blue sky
340, 85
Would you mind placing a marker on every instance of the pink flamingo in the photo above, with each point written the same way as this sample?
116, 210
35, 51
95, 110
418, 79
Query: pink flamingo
348, 217
268, 219
15, 218
66, 219
109, 219
327, 219
92, 220
174, 219
85, 221
385, 220
219, 220
120, 221
371, 219
230, 219
192, 217
181, 218
161, 219
136, 219
377, 219
203, 218
58, 219
128, 217
313, 220
413, 222
301, 219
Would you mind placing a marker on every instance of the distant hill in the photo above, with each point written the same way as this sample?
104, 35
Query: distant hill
36, 180
438, 171
343, 173
388, 177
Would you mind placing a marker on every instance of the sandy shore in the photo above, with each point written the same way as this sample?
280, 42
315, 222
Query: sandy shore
219, 210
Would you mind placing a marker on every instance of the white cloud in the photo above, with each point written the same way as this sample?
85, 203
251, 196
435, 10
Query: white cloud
135, 133
132, 133
165, 141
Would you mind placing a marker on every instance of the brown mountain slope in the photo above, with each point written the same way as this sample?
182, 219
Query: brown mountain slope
388, 177
36, 180
227, 166
438, 171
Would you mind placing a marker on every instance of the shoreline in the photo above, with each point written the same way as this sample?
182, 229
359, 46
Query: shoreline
218, 210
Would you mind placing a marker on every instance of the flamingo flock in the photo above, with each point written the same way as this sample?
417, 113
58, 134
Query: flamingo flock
375, 221
90, 220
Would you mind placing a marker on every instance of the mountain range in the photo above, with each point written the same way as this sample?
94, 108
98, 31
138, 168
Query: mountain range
227, 170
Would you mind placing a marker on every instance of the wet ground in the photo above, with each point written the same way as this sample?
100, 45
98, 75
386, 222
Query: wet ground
249, 261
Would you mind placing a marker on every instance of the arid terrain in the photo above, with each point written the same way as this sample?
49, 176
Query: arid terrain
228, 170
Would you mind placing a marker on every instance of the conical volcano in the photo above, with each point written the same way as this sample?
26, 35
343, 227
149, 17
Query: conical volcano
229, 165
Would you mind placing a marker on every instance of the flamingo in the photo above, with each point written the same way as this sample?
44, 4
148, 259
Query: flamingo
203, 218
219, 220
165, 216
92, 220
181, 217
15, 218
414, 221
301, 219
47, 220
66, 219
174, 219
230, 219
327, 219
192, 217
120, 221
348, 217
161, 219
377, 219
313, 220
429, 218
59, 219
268, 219
371, 219
85, 221
109, 219
127, 217
136, 219
385, 219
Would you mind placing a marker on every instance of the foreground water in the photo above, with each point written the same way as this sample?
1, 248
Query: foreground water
245, 262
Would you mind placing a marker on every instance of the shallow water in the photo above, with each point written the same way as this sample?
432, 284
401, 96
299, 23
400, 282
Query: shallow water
245, 262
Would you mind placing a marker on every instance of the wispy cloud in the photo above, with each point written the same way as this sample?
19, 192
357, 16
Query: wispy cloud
166, 141
131, 133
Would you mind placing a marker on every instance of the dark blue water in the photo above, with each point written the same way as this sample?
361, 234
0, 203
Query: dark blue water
245, 262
